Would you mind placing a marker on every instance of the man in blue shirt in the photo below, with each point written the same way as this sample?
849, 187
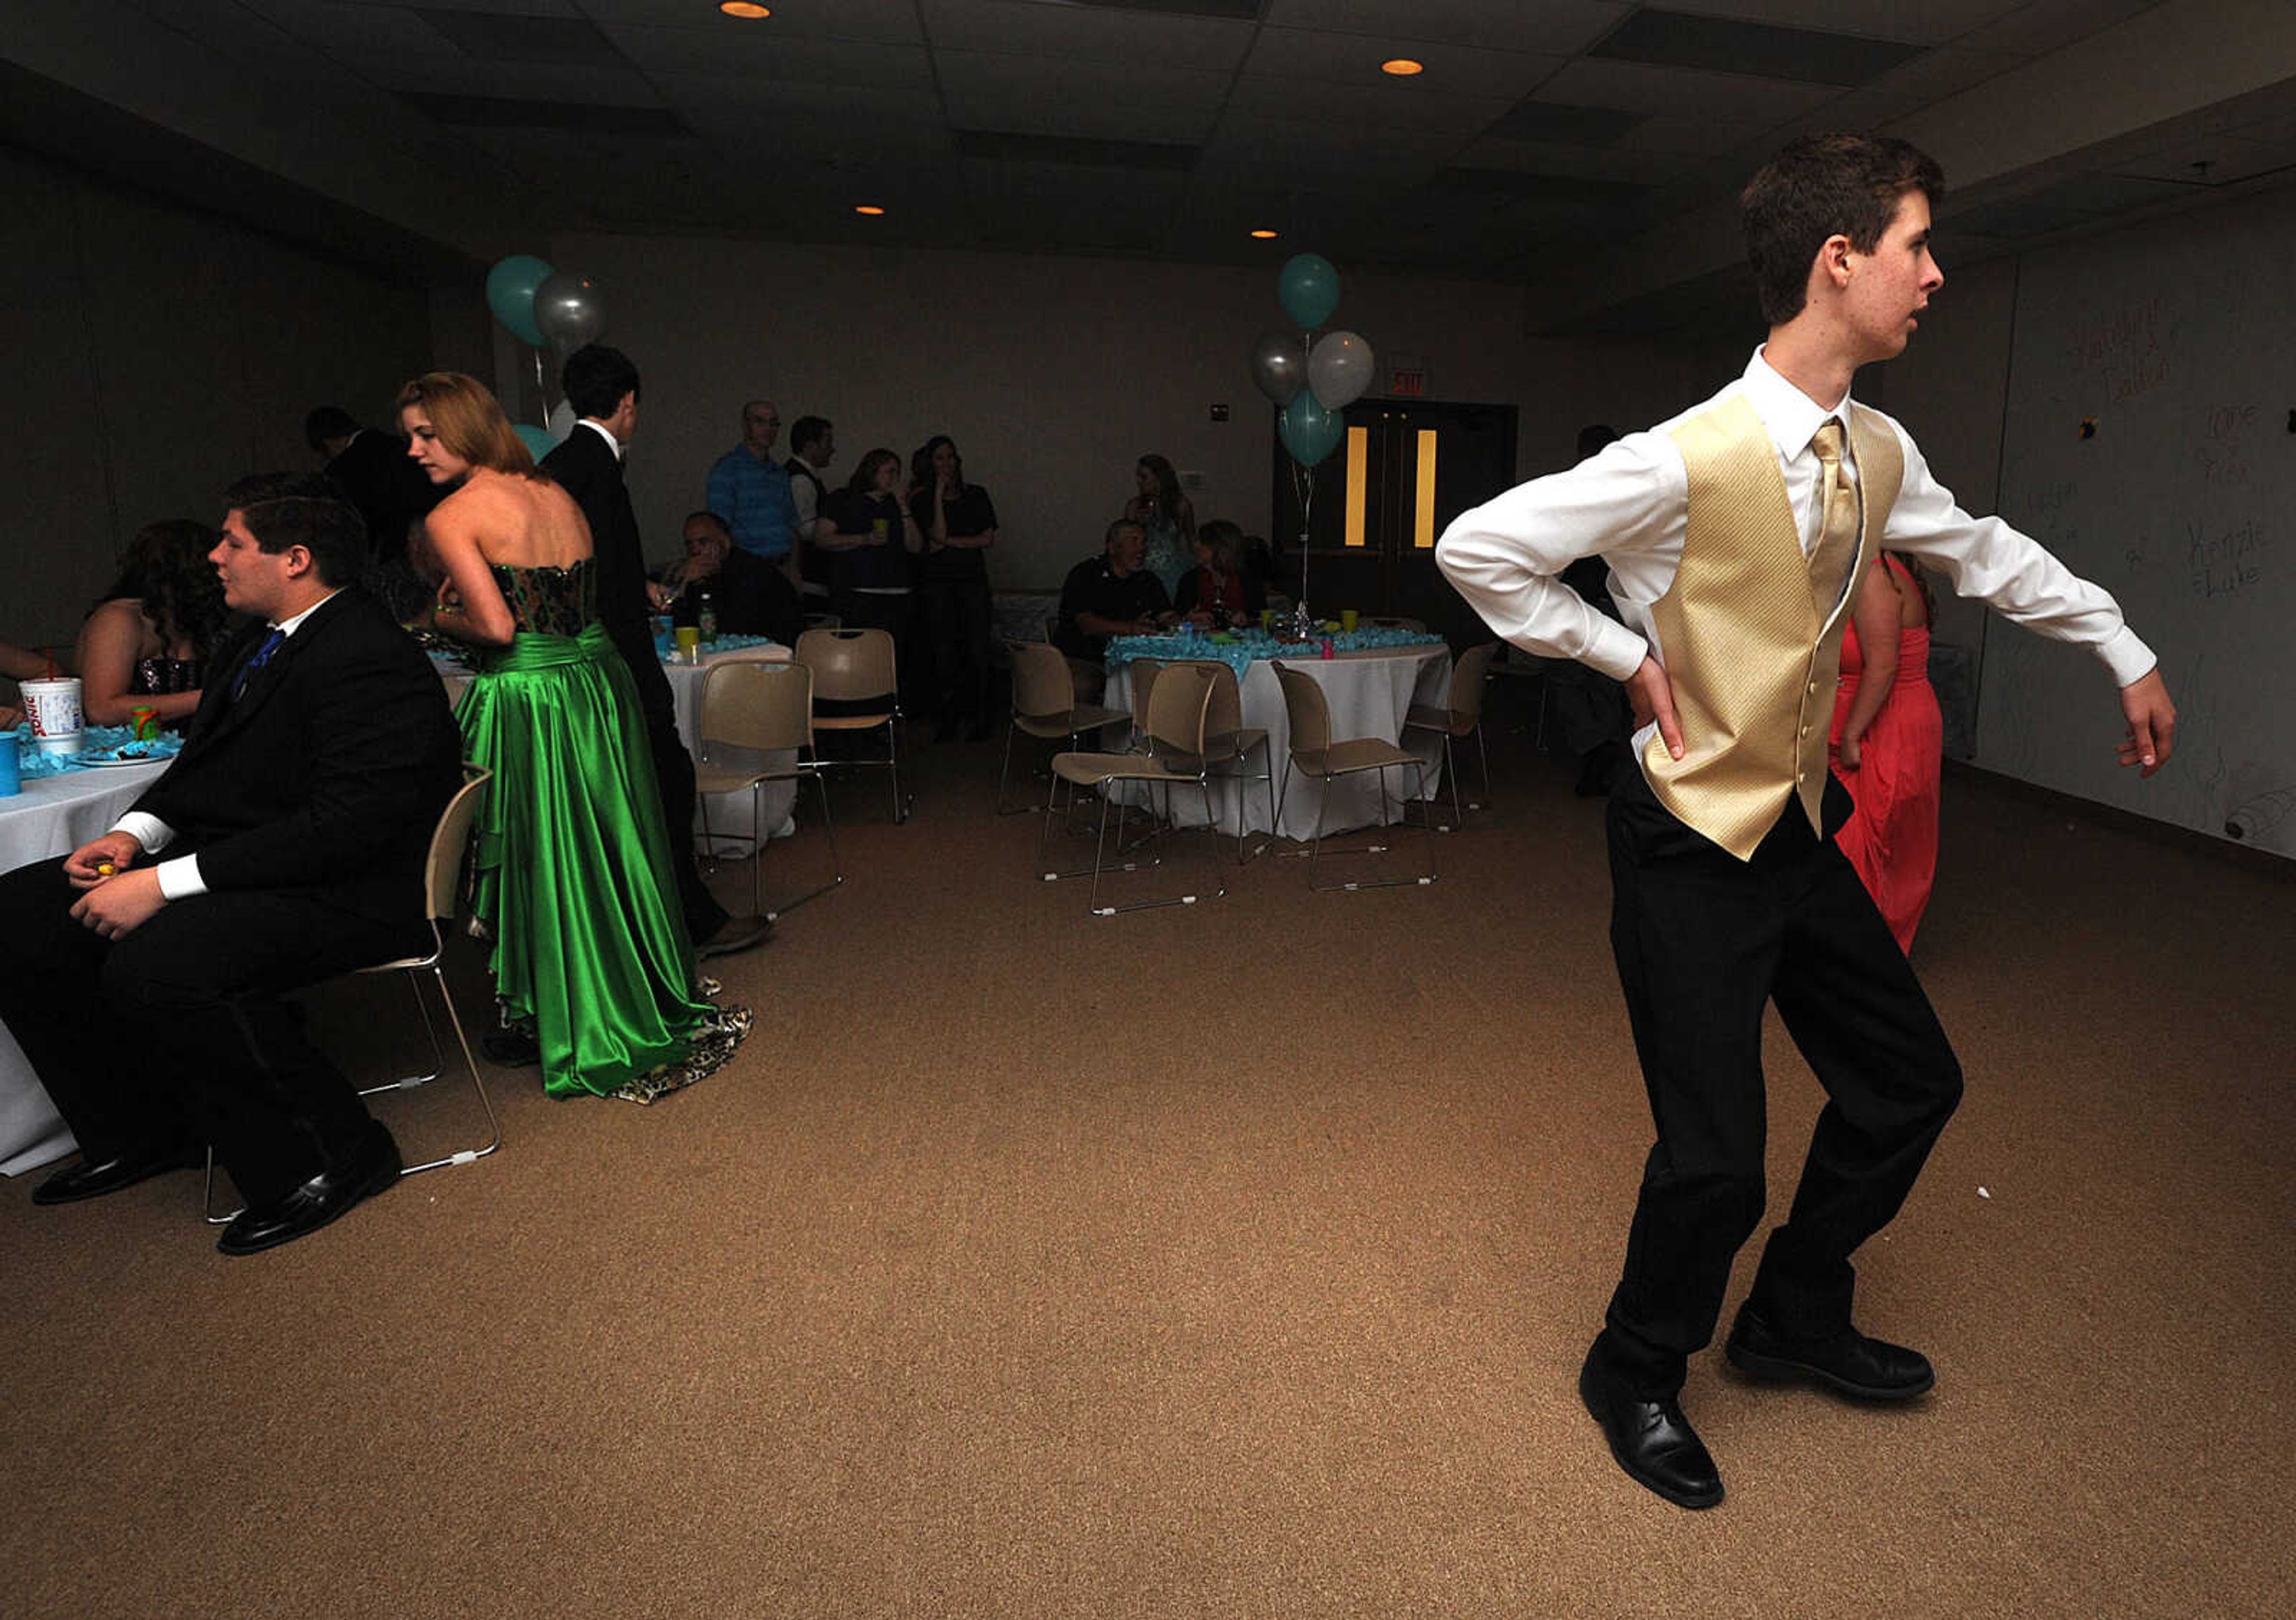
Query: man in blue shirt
751, 491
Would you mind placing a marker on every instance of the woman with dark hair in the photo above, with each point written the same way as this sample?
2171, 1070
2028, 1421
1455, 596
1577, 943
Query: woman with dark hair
1217, 592
1888, 743
1165, 517
959, 523
870, 539
144, 646
573, 877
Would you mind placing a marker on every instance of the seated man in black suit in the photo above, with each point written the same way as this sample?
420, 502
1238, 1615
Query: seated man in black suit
291, 833
749, 595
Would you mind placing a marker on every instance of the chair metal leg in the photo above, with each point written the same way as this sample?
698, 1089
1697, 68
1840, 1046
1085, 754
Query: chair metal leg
829, 830
1450, 770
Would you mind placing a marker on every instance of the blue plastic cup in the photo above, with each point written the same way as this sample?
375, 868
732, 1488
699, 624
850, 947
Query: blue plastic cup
11, 781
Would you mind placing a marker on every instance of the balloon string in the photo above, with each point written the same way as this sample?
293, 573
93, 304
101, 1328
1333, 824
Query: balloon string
542, 390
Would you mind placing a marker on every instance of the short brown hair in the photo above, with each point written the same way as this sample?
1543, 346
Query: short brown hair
1823, 185
468, 421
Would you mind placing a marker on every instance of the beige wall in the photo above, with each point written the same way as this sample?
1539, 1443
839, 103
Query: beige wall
1052, 374
164, 354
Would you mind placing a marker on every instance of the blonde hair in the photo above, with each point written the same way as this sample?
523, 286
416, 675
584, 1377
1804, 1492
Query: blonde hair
468, 421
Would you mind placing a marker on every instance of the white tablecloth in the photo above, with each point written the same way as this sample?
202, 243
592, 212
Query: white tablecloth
728, 813
1369, 694
51, 818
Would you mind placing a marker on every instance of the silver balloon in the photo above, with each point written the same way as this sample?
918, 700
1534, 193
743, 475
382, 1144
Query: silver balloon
562, 420
1339, 369
1279, 365
570, 310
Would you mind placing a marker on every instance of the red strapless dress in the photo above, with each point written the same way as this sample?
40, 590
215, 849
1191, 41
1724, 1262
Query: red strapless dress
1892, 837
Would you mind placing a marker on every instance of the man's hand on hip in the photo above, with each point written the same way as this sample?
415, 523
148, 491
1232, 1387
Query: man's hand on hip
1651, 694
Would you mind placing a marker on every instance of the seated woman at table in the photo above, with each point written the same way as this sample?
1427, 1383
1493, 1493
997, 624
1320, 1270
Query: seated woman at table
871, 539
145, 645
1217, 593
573, 878
1109, 595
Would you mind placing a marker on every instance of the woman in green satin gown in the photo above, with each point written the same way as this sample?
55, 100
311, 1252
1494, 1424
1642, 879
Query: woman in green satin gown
573, 878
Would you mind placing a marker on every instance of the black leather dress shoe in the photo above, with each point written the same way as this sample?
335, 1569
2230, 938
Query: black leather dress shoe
371, 1167
1652, 1440
734, 934
1869, 1368
93, 1178
511, 1049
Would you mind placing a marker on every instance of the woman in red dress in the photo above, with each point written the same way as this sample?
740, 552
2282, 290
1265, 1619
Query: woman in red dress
1889, 743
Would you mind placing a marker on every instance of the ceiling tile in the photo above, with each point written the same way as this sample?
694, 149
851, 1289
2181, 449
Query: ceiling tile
1087, 34
2043, 26
705, 50
1559, 27
349, 31
1681, 92
2213, 161
623, 86
1724, 44
1929, 22
1355, 59
1376, 104
1317, 154
1583, 162
880, 21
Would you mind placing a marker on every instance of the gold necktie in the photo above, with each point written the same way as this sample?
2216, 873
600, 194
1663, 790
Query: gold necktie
1837, 540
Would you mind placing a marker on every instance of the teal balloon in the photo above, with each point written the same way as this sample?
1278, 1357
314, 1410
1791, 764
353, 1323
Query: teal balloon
1310, 430
537, 441
511, 287
1309, 289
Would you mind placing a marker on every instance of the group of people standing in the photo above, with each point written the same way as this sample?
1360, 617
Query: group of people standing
898, 547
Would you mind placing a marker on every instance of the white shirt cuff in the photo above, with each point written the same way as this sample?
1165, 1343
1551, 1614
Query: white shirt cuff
2128, 658
146, 829
180, 880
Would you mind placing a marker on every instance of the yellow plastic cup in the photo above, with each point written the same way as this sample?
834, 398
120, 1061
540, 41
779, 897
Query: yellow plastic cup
1268, 618
1347, 621
688, 643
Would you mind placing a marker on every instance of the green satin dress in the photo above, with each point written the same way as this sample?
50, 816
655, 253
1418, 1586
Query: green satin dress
573, 874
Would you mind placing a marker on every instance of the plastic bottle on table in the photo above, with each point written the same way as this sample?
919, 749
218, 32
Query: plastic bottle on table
705, 617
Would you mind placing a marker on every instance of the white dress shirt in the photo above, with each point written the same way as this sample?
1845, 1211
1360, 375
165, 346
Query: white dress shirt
180, 878
599, 427
1629, 505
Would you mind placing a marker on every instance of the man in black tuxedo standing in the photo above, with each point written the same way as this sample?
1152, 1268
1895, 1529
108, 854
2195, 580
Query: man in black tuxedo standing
601, 385
294, 827
372, 468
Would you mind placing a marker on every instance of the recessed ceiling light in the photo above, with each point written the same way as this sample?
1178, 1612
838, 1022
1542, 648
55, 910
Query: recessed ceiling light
870, 208
1263, 235
1402, 67
750, 9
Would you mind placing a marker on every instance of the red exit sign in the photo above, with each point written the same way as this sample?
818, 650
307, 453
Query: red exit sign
1406, 377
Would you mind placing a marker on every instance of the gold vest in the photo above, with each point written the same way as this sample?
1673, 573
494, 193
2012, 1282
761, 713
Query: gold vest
1751, 657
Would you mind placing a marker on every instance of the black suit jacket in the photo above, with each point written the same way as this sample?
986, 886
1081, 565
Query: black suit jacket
328, 774
588, 468
377, 476
752, 596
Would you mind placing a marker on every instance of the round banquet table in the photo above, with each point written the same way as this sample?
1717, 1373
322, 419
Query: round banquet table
53, 816
1369, 692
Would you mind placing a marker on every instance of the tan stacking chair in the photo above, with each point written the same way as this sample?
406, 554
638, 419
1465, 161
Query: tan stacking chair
1461, 715
857, 666
442, 884
1228, 742
1315, 754
749, 704
1174, 732
1046, 706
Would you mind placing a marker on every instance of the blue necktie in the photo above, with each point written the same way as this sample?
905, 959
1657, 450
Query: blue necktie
262, 655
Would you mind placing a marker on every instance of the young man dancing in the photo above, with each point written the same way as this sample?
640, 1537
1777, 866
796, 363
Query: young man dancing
1734, 533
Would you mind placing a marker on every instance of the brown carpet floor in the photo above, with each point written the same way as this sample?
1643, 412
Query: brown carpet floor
1234, 1259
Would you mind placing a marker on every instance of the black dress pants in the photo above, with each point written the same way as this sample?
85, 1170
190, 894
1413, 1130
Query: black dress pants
673, 774
960, 618
179, 1033
1702, 940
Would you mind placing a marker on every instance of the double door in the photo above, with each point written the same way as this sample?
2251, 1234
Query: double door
1375, 508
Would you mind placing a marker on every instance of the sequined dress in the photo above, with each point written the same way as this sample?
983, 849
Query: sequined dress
572, 874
